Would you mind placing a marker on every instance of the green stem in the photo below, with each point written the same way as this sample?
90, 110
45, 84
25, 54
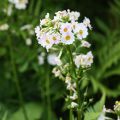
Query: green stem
48, 95
73, 68
15, 77
71, 112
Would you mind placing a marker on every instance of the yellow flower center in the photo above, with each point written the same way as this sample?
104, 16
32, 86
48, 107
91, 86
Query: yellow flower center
54, 38
65, 29
81, 32
47, 41
74, 26
67, 37
21, 1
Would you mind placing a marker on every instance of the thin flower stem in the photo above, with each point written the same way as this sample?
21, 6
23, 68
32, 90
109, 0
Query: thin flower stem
71, 112
15, 77
48, 94
73, 68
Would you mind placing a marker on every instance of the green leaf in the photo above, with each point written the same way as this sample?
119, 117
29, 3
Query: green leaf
94, 112
34, 111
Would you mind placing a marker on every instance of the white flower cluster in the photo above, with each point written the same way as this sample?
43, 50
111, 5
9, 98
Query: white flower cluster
63, 28
83, 60
71, 86
52, 59
103, 114
19, 4
8, 11
29, 29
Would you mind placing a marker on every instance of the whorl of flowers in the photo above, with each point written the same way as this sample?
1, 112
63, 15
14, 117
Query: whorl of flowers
64, 28
19, 4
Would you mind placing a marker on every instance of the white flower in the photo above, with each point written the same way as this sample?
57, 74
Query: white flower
21, 4
56, 72
78, 60
81, 31
102, 115
89, 58
86, 22
68, 38
74, 26
84, 60
85, 44
74, 96
65, 27
44, 21
56, 38
58, 61
47, 15
67, 79
70, 86
4, 27
45, 41
61, 14
73, 16
37, 31
74, 105
8, 10
41, 59
53, 59
28, 41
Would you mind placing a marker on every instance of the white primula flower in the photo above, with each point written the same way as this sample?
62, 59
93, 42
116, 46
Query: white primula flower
41, 59
73, 16
68, 38
58, 61
61, 14
86, 22
65, 27
78, 60
74, 105
21, 4
56, 38
81, 31
53, 59
74, 96
45, 41
89, 58
84, 60
4, 27
102, 115
56, 72
67, 79
85, 44
74, 26
37, 31
8, 10
43, 21
47, 15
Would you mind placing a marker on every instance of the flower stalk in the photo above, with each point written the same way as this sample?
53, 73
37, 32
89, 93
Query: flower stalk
15, 77
77, 83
